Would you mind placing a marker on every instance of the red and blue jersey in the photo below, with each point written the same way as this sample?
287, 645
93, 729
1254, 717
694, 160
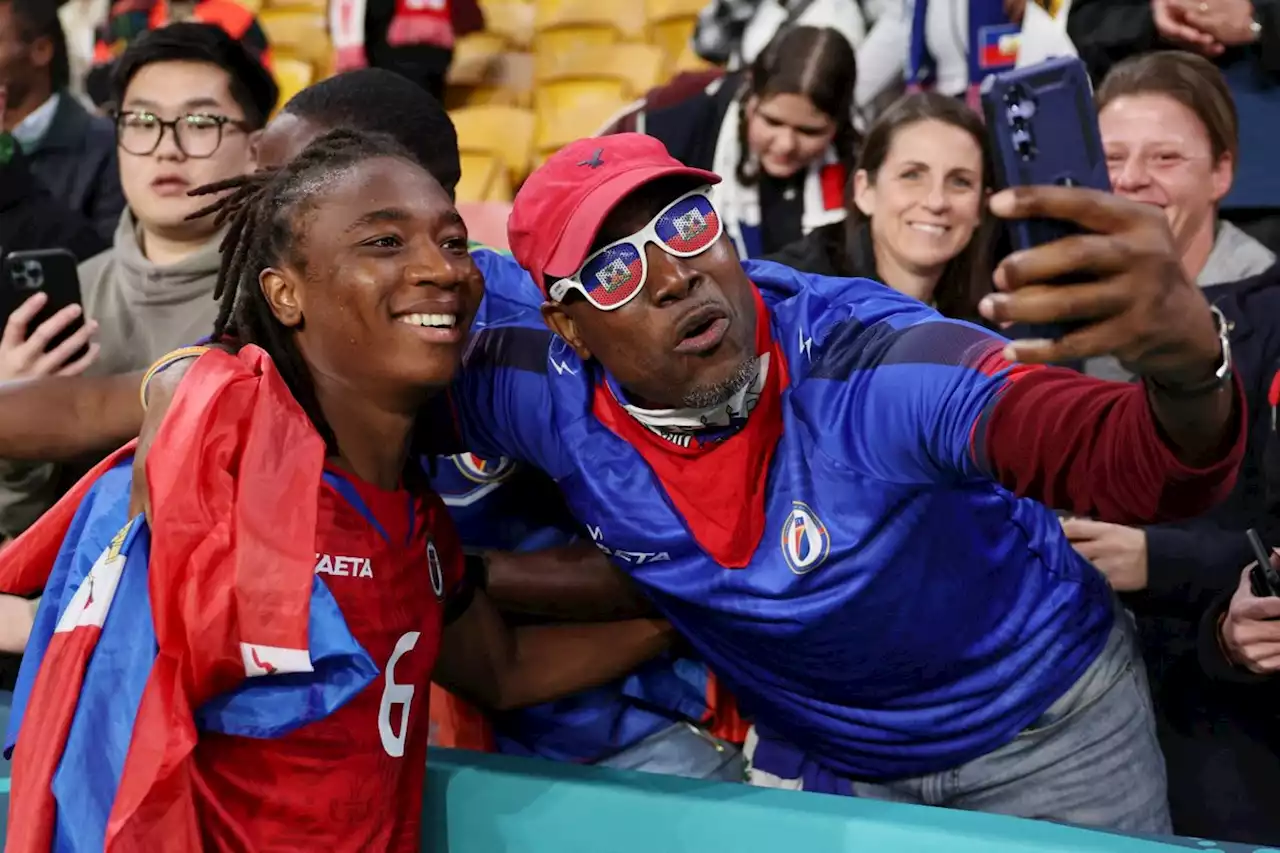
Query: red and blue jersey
333, 756
904, 610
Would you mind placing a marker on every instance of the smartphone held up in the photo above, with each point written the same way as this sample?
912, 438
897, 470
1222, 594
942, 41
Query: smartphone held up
52, 275
1044, 132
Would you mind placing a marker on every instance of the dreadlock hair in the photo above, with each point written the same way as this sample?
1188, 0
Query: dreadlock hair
816, 63
261, 212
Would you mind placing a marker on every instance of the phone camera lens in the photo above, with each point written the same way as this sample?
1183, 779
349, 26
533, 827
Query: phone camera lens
29, 276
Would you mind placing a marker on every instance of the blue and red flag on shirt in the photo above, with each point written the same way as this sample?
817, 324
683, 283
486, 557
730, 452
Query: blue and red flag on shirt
139, 643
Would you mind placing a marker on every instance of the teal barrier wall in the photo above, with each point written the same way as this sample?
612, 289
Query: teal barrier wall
490, 804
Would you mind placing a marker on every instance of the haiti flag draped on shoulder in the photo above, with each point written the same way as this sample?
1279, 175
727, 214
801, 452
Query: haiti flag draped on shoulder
216, 622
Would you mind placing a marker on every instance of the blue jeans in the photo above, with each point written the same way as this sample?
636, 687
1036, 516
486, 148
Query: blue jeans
1091, 759
682, 750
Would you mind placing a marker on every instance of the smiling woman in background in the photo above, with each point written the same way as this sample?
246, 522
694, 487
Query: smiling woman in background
1170, 130
780, 135
917, 220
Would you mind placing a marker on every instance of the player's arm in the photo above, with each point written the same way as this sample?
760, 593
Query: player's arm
16, 618
61, 418
499, 667
570, 582
158, 386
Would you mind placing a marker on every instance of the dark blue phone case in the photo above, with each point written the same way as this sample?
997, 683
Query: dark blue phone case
1043, 128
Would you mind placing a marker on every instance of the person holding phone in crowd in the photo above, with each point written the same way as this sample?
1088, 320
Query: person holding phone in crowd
188, 99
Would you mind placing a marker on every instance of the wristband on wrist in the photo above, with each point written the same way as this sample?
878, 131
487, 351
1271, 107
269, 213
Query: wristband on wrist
165, 361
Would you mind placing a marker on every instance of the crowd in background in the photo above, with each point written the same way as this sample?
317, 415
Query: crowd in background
847, 144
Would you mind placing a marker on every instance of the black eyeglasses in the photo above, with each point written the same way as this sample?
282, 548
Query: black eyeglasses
197, 135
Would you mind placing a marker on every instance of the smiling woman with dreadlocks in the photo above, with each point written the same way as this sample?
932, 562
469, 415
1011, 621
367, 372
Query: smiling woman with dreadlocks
302, 632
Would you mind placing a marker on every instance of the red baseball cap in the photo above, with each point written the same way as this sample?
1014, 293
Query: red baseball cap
561, 206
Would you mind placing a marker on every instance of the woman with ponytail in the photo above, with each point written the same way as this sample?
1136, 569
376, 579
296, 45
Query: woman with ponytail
779, 134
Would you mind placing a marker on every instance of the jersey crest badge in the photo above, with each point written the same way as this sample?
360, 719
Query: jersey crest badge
483, 471
805, 541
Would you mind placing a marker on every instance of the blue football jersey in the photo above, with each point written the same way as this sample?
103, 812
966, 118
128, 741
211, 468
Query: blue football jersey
497, 504
903, 613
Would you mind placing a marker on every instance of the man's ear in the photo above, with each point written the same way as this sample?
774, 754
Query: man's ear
280, 287
559, 322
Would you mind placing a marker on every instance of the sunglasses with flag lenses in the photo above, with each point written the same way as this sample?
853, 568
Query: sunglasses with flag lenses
612, 277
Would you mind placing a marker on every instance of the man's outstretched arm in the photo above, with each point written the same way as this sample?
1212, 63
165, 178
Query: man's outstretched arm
61, 418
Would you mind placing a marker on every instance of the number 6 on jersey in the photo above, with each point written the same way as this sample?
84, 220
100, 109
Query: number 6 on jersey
396, 696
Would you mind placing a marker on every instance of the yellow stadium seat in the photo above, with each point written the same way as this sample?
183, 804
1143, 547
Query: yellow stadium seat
566, 96
665, 10
292, 76
501, 131
254, 6
512, 20
474, 56
300, 33
509, 82
639, 67
557, 128
484, 178
670, 24
574, 24
673, 36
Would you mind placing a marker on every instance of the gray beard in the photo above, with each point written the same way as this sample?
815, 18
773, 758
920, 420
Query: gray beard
707, 396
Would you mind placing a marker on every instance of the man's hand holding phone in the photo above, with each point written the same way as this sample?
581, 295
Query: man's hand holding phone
27, 356
1133, 298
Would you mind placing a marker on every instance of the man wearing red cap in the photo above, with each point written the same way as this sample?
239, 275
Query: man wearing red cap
838, 496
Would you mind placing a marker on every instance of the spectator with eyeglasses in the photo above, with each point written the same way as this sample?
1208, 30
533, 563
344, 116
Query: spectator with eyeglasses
189, 99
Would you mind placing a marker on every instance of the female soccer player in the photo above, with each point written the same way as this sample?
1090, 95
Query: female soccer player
349, 269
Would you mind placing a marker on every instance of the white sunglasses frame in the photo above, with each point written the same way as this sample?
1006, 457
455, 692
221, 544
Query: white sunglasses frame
640, 240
